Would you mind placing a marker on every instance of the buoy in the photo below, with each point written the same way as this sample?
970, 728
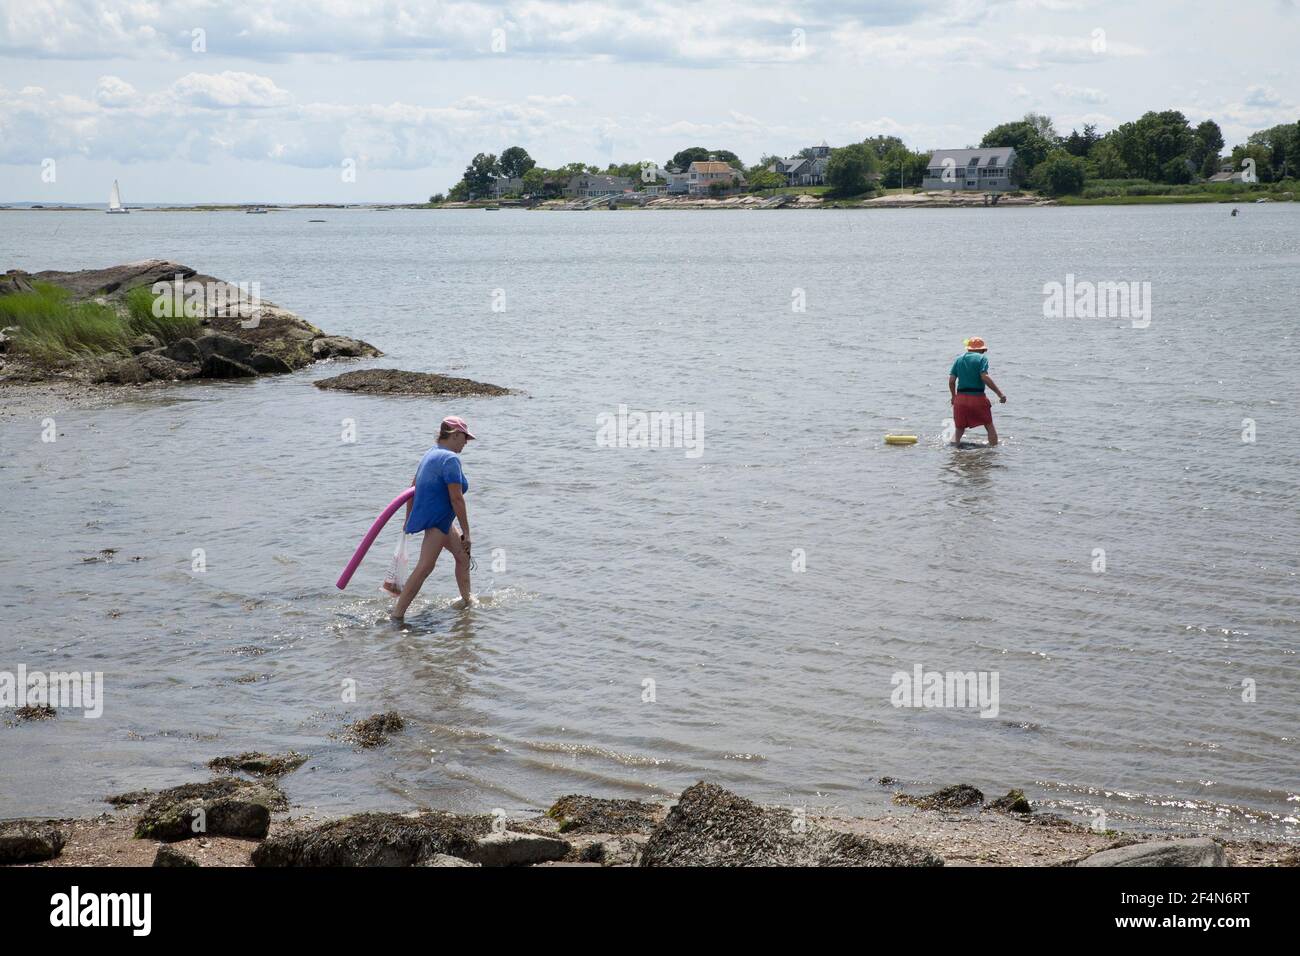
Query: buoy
900, 439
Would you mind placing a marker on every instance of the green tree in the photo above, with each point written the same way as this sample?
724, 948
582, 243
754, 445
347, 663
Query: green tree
534, 181
1207, 141
1081, 144
1260, 156
903, 167
681, 160
760, 178
459, 192
882, 146
436, 198
515, 161
1105, 162
1061, 173
848, 172
480, 174
1030, 145
1148, 144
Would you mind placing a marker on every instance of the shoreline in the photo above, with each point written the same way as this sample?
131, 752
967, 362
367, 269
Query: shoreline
580, 830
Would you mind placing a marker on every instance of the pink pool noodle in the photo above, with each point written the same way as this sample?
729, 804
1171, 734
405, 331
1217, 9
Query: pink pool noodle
369, 539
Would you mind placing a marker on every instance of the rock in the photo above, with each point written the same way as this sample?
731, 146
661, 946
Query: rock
7, 340
391, 381
27, 841
1201, 851
949, 798
88, 283
117, 370
170, 856
710, 826
160, 368
1013, 802
225, 346
218, 366
620, 851
144, 343
374, 730
32, 712
235, 808
337, 346
15, 280
376, 839
578, 814
268, 364
509, 848
259, 764
182, 350
442, 859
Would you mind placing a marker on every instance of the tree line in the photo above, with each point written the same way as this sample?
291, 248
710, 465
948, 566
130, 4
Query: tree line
1160, 147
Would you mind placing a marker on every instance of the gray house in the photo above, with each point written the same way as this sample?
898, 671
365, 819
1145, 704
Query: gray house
807, 170
589, 185
980, 170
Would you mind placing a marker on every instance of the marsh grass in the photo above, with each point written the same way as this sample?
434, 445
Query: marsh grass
53, 328
173, 324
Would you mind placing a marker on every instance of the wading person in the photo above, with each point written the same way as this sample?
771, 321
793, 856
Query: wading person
439, 499
966, 381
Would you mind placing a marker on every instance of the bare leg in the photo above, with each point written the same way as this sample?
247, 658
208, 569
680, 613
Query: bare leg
453, 544
957, 438
433, 543
993, 434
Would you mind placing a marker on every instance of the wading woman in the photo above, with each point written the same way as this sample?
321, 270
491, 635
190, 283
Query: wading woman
439, 499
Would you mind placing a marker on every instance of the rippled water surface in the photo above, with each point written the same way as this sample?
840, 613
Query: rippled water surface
1120, 690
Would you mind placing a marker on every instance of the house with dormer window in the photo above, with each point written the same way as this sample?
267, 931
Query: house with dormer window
981, 170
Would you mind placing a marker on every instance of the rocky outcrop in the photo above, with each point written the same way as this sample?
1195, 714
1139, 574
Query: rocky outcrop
229, 807
710, 826
239, 336
1196, 852
170, 856
391, 381
29, 841
508, 848
1013, 802
377, 839
259, 764
374, 730
578, 814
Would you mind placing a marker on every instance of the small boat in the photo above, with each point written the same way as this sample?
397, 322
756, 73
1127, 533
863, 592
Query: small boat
115, 201
255, 211
491, 208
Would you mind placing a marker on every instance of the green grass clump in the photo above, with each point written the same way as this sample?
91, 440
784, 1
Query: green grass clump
171, 325
53, 328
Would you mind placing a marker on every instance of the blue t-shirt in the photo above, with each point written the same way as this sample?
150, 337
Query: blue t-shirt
431, 507
968, 368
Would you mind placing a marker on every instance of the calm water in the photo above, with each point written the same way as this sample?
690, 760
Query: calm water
1119, 690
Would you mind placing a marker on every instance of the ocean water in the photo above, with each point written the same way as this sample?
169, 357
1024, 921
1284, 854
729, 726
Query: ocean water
1124, 564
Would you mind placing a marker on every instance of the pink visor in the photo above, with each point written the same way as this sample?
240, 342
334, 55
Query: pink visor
457, 425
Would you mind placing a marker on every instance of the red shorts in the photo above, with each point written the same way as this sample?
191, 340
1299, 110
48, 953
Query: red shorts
971, 410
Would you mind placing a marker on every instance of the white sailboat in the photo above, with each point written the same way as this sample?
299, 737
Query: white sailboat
115, 200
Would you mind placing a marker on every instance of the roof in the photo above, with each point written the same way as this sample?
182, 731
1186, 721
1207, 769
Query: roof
711, 166
989, 156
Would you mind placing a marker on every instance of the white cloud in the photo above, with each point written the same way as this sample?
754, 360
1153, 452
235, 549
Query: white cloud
1079, 94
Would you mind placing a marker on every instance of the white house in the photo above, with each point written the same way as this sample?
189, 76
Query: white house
1227, 174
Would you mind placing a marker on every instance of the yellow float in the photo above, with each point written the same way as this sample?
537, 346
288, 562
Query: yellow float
900, 439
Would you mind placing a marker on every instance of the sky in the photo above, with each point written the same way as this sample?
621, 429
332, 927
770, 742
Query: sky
387, 100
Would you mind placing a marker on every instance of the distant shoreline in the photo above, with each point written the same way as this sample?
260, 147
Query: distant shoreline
955, 201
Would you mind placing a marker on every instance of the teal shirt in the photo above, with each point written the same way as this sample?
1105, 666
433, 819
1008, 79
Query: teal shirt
968, 368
